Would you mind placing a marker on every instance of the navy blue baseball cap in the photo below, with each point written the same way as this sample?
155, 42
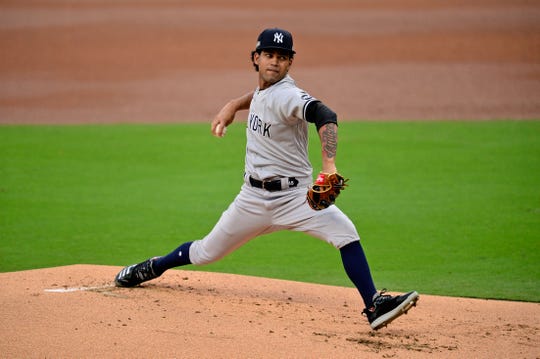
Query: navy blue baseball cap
275, 38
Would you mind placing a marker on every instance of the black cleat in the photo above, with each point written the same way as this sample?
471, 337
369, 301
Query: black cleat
135, 274
386, 308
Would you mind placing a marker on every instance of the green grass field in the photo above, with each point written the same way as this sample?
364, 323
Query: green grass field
449, 208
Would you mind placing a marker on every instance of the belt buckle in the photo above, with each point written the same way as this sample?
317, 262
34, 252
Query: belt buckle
269, 185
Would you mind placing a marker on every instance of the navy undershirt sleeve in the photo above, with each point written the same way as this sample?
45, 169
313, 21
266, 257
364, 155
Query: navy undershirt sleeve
320, 114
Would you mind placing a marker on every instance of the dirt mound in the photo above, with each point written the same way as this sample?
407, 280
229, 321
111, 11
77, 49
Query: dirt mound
75, 311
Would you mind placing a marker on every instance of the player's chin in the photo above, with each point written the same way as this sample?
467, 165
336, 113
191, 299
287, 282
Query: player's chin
272, 77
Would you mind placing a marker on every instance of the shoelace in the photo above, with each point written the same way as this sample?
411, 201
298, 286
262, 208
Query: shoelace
381, 297
378, 300
145, 270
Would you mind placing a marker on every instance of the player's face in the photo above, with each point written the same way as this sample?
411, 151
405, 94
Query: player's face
273, 66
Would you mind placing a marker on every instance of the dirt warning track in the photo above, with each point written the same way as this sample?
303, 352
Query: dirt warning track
93, 61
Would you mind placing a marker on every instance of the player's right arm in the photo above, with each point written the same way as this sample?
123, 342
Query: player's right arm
225, 116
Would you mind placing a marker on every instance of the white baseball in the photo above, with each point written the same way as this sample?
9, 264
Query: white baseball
218, 129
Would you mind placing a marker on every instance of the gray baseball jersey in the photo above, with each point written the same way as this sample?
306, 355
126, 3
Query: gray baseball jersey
277, 133
277, 147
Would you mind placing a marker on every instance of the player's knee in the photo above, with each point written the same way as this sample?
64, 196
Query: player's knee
199, 254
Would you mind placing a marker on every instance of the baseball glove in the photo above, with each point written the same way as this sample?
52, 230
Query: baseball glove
323, 193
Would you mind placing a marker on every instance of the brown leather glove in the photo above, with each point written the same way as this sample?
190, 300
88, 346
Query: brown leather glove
327, 187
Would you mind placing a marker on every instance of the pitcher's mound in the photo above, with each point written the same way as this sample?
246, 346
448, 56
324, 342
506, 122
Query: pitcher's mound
75, 311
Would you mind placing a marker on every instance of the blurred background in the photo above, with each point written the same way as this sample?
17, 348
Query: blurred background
97, 61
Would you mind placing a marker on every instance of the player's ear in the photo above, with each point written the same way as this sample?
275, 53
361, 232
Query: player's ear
255, 64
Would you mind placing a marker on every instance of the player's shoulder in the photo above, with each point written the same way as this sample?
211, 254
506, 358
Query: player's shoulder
289, 88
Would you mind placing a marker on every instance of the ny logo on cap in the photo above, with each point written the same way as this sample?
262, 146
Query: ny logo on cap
278, 37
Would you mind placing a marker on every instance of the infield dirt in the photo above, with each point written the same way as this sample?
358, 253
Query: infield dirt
97, 61
75, 311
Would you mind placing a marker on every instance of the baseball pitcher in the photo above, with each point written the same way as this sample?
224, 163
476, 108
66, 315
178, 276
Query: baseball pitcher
278, 190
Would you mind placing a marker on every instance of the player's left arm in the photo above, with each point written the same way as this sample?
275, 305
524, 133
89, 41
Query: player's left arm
326, 121
328, 135
329, 183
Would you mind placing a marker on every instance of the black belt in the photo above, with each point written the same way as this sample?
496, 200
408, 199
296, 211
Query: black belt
274, 185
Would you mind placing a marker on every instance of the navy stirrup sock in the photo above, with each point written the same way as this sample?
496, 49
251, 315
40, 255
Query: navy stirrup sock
178, 257
357, 268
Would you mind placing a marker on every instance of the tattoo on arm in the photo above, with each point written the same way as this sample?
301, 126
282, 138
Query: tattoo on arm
329, 140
